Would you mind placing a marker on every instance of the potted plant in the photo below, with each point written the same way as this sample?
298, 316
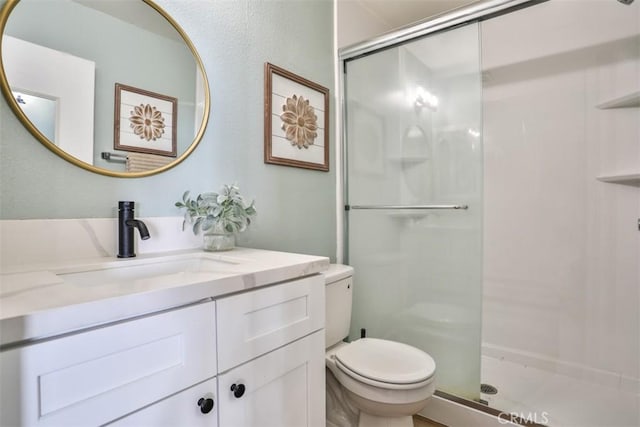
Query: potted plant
218, 215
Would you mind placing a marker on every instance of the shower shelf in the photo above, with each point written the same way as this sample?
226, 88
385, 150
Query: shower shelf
409, 159
628, 101
632, 179
409, 214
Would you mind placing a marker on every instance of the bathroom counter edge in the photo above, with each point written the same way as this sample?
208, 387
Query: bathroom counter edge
39, 313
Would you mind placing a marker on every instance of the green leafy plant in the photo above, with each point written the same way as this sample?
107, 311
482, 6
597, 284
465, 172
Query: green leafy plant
223, 212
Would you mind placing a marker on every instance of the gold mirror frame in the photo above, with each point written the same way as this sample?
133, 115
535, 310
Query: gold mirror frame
5, 12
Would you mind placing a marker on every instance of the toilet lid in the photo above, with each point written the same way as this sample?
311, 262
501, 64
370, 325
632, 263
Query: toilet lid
387, 361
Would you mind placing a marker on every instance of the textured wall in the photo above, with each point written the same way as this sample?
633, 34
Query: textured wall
234, 38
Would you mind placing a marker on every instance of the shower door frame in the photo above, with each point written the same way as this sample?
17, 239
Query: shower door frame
438, 23
443, 22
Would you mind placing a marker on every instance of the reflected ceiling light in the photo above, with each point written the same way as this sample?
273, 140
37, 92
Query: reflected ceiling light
425, 98
474, 133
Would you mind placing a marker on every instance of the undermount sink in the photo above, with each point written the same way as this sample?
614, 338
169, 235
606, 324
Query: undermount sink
194, 266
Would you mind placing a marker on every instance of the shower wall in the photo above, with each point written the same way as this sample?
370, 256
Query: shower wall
561, 248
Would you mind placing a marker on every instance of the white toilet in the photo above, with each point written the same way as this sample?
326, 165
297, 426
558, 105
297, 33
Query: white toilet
386, 381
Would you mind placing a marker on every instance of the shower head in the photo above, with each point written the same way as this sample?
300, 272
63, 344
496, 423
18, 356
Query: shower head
626, 1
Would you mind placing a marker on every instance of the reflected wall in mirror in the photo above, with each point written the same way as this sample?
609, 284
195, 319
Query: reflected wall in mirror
72, 53
40, 110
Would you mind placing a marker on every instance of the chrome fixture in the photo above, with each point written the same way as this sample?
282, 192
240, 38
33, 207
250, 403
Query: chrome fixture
113, 157
406, 207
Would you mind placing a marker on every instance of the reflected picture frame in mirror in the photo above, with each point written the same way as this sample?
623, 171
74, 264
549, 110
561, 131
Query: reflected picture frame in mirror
200, 105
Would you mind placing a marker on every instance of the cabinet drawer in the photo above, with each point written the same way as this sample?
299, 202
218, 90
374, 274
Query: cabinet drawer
93, 377
181, 409
259, 321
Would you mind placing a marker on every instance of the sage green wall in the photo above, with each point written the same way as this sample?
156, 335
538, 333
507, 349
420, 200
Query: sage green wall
296, 207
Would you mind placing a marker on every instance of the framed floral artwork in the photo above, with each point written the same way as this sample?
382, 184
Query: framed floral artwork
296, 120
145, 122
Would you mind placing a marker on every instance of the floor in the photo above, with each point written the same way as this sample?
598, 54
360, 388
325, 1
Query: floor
419, 421
557, 400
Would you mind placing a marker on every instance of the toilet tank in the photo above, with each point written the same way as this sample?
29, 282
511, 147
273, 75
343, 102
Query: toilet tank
338, 298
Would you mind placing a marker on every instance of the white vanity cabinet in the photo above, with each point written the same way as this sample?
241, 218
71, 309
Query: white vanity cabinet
255, 358
93, 377
271, 356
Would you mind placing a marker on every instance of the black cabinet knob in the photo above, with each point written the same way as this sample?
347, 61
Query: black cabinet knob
206, 405
238, 390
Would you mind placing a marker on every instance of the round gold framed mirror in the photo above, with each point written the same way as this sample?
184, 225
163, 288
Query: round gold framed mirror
114, 87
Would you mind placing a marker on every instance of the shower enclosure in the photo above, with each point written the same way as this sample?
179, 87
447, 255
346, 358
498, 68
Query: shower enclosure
492, 166
414, 160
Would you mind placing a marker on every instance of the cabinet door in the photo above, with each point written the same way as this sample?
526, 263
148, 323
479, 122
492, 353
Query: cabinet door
185, 409
284, 388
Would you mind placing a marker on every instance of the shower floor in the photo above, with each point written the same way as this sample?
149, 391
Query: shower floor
557, 400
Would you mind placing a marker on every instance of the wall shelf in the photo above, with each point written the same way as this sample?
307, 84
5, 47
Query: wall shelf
628, 101
632, 179
412, 160
409, 214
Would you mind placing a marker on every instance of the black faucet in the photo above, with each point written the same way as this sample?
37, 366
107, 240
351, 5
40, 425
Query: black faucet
126, 224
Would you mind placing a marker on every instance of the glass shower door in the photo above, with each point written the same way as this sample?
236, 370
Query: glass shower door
414, 199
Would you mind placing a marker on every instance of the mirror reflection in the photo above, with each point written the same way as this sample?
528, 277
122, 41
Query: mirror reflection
41, 112
113, 85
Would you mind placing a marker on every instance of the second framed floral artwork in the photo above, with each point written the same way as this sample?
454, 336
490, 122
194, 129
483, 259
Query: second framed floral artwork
296, 120
145, 122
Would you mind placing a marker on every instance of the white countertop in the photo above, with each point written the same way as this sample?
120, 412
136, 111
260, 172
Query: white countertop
43, 300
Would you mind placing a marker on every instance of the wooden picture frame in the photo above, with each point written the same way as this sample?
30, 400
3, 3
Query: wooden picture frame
296, 120
145, 121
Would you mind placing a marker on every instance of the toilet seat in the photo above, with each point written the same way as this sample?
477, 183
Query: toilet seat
385, 364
